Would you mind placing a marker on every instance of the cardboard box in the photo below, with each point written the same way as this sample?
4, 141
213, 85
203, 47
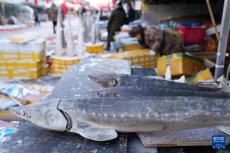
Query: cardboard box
204, 75
23, 38
181, 64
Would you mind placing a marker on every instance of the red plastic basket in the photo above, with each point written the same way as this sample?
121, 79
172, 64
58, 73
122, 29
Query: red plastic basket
192, 35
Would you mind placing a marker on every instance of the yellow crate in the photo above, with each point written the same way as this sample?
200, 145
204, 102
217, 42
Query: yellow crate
57, 71
181, 64
65, 60
28, 75
9, 55
33, 56
204, 75
45, 70
63, 63
63, 66
95, 48
4, 74
131, 47
141, 58
21, 56
22, 74
66, 63
21, 64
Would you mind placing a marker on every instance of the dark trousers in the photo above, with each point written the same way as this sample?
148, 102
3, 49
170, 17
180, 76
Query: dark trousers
108, 45
37, 22
54, 26
109, 40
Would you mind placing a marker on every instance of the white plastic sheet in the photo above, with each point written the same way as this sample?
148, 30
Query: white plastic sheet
104, 66
77, 84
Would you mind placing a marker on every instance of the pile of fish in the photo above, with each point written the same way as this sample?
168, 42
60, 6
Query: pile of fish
132, 103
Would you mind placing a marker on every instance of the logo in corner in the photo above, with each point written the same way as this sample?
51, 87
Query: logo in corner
219, 142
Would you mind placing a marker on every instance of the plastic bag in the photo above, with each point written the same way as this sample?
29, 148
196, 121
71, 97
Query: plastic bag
104, 66
6, 132
18, 91
76, 82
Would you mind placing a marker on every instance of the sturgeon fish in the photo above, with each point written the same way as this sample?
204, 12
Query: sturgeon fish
154, 85
99, 118
122, 92
143, 71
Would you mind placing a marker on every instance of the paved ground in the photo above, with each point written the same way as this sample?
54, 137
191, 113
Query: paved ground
46, 29
81, 31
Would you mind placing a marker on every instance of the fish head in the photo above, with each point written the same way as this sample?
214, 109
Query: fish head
43, 114
106, 81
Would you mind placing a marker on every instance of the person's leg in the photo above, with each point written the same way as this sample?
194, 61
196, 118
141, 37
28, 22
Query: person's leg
108, 45
54, 26
109, 40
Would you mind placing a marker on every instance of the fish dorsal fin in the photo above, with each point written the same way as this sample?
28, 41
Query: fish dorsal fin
224, 129
96, 134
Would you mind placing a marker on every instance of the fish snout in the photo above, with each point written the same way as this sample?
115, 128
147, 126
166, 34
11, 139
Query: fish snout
94, 78
99, 80
18, 111
105, 81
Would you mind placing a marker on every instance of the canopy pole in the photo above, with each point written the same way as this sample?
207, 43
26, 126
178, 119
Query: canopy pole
222, 47
3, 8
212, 18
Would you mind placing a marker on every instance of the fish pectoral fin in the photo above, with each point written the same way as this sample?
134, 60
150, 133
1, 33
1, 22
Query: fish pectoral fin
224, 129
96, 134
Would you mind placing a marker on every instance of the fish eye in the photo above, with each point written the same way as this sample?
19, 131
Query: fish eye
99, 94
